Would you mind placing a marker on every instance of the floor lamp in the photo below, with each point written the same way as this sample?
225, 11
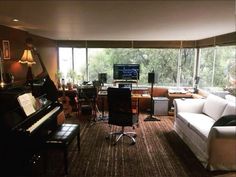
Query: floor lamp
151, 79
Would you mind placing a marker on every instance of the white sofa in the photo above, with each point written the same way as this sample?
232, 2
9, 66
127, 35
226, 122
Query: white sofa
195, 120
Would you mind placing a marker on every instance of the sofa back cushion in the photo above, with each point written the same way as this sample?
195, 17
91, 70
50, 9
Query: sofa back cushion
230, 99
230, 109
214, 106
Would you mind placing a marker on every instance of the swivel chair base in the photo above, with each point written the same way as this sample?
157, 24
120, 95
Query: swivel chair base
151, 118
131, 135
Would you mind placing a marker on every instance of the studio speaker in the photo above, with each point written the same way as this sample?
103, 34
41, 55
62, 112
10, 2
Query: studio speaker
102, 77
151, 77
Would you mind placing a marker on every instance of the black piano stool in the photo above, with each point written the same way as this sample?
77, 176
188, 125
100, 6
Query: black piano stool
61, 139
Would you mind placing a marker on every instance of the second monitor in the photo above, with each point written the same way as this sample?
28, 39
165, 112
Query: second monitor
125, 85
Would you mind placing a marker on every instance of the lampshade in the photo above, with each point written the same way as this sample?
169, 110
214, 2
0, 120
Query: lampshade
27, 57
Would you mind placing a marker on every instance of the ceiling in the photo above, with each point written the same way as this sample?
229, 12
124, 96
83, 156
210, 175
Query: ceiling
121, 19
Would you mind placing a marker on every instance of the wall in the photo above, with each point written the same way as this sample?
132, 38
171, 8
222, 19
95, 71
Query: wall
47, 49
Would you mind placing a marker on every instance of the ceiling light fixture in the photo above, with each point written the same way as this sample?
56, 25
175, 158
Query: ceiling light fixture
15, 20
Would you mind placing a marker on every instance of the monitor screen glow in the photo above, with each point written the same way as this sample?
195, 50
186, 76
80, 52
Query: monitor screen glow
126, 71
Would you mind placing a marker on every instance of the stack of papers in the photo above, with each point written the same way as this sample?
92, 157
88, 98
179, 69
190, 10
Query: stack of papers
27, 102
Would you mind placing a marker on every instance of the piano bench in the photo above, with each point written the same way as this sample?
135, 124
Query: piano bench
61, 139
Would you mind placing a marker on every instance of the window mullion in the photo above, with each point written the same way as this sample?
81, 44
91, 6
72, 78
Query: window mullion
73, 63
87, 71
179, 67
196, 65
213, 69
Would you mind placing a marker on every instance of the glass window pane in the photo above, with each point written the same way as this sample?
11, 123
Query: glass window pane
65, 61
219, 73
98, 62
225, 68
187, 67
206, 67
80, 64
162, 61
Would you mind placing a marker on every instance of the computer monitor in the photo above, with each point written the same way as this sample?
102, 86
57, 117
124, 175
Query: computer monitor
126, 71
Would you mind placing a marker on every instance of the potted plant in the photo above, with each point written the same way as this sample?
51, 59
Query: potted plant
72, 76
58, 78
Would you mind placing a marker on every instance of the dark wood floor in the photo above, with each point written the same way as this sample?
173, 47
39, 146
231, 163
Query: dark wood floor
158, 152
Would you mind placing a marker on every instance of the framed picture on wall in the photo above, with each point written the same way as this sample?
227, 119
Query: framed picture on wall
6, 49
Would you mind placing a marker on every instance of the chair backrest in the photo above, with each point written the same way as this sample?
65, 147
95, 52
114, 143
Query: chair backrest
120, 107
87, 92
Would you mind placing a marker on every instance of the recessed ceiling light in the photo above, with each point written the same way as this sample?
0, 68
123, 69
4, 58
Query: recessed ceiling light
15, 20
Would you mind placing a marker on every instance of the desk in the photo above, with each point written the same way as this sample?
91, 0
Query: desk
173, 96
134, 96
180, 95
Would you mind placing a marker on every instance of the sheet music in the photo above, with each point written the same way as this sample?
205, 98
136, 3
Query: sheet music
27, 102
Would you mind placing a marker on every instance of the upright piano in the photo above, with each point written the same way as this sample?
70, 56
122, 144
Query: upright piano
27, 118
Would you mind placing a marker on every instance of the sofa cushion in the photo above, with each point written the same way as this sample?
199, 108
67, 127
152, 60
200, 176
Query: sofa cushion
189, 105
199, 123
231, 99
214, 106
230, 109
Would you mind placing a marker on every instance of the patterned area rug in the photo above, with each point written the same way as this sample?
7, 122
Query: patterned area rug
158, 152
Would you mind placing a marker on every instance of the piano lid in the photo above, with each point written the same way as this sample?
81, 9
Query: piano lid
9, 96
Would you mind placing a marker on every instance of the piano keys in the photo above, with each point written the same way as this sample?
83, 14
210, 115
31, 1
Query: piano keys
37, 124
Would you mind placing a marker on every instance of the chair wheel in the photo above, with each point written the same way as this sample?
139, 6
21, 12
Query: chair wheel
135, 136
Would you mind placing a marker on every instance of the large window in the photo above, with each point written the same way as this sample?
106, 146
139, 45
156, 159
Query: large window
163, 61
174, 67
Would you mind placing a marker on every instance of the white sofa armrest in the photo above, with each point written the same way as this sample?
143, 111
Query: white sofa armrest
189, 105
222, 148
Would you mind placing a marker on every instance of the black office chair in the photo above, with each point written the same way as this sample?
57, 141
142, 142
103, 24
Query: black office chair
120, 113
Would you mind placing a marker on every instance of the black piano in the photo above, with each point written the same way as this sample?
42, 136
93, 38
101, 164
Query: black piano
24, 132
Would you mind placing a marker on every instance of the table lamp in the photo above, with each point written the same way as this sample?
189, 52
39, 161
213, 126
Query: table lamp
27, 57
2, 83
